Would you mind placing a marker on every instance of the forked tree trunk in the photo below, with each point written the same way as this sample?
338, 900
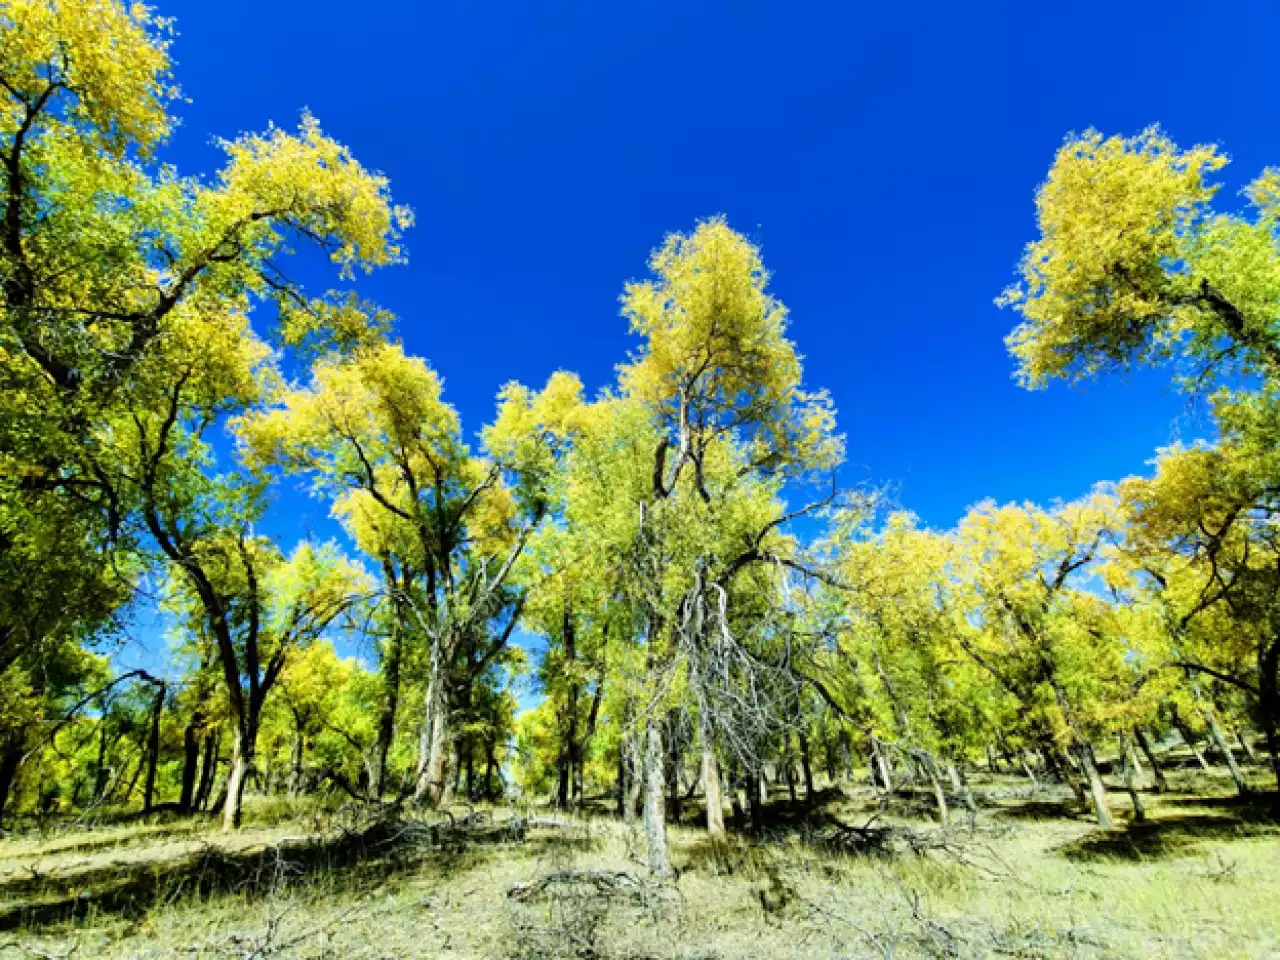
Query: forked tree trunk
655, 814
881, 766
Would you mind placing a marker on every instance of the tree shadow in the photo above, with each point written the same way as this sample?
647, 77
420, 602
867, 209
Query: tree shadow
351, 862
1252, 807
1165, 838
1042, 809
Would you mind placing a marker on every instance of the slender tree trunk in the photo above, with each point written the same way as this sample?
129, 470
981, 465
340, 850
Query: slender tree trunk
1245, 745
930, 768
807, 767
208, 770
153, 750
295, 763
1220, 744
390, 704
1097, 789
789, 770
655, 821
711, 792
962, 783
190, 760
755, 800
1144, 744
636, 781
133, 781
735, 799
1128, 760
1026, 769
100, 771
880, 766
1188, 738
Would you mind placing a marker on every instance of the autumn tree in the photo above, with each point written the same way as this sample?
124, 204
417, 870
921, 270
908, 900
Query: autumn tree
446, 526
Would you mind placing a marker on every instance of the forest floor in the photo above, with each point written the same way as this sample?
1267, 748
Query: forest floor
1029, 876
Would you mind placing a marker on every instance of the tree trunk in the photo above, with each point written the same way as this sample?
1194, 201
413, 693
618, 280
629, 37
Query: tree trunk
1269, 706
390, 704
10, 758
133, 781
208, 770
1026, 769
295, 764
1188, 739
807, 767
1130, 779
1144, 744
1220, 744
789, 770
433, 745
153, 750
1097, 789
101, 773
755, 800
930, 768
1246, 746
190, 761
711, 792
673, 773
655, 821
241, 763
880, 766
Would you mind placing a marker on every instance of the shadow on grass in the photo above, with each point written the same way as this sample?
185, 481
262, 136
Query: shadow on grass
351, 862
154, 833
1044, 809
1252, 807
1168, 837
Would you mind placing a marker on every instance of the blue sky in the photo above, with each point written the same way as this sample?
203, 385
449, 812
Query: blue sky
885, 156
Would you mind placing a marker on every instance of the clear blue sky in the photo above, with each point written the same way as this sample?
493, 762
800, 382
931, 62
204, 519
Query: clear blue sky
884, 156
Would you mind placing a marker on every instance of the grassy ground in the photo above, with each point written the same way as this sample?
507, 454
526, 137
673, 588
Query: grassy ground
1030, 876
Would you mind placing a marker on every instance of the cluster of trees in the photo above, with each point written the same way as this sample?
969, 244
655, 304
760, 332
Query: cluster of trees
715, 608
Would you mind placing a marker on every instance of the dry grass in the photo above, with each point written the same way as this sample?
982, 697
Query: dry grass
1029, 877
